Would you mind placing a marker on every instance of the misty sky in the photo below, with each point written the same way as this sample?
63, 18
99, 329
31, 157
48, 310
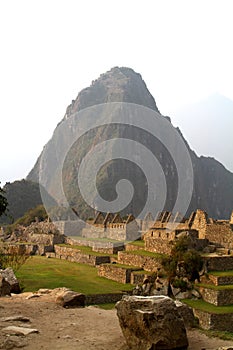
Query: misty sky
50, 50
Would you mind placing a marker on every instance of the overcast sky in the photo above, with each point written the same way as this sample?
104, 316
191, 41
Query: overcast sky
50, 50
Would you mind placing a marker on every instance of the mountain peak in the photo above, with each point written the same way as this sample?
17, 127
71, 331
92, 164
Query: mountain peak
119, 84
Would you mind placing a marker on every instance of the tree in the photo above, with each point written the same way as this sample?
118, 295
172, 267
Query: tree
182, 258
3, 202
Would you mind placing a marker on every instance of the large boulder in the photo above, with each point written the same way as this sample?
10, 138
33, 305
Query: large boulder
5, 288
150, 323
186, 312
68, 298
10, 277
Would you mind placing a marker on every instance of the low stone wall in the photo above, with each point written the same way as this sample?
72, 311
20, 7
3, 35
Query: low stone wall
130, 247
210, 321
98, 246
145, 262
138, 278
217, 297
29, 249
158, 245
76, 255
220, 233
218, 263
95, 299
220, 280
116, 272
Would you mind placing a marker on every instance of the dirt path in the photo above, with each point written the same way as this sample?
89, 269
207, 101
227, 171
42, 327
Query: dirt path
67, 329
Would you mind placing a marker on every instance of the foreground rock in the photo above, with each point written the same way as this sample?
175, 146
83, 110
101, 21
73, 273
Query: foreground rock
186, 312
71, 299
19, 330
5, 288
10, 277
150, 323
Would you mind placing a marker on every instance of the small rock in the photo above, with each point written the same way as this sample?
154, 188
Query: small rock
15, 318
10, 277
44, 291
184, 295
32, 296
19, 330
71, 299
196, 294
66, 337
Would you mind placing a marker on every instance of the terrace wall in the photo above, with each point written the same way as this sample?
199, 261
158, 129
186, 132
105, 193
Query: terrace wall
75, 255
145, 262
217, 297
210, 321
115, 273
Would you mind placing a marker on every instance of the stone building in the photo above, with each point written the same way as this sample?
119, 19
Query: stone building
112, 227
201, 229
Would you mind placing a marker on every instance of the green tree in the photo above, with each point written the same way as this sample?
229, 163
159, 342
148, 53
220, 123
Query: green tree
181, 253
3, 202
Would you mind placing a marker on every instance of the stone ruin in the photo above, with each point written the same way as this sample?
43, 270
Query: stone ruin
206, 234
112, 226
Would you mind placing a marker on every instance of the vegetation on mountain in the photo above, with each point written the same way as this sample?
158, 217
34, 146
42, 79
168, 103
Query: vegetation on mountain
21, 196
3, 202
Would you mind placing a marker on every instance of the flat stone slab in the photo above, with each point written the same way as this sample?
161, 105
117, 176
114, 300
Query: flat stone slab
19, 330
15, 318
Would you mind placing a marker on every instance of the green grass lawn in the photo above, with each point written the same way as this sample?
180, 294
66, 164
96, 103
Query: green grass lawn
145, 253
212, 286
221, 273
138, 243
204, 306
40, 272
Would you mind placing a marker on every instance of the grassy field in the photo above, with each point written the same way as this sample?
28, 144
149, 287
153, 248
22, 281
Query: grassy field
221, 273
145, 253
40, 272
212, 286
204, 306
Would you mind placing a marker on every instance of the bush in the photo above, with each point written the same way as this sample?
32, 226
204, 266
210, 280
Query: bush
11, 257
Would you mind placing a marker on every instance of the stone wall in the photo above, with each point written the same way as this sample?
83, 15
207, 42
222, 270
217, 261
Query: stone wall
98, 246
220, 280
132, 247
115, 272
200, 222
219, 322
145, 262
119, 231
29, 249
95, 299
158, 245
70, 227
138, 278
74, 255
220, 233
218, 263
217, 297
